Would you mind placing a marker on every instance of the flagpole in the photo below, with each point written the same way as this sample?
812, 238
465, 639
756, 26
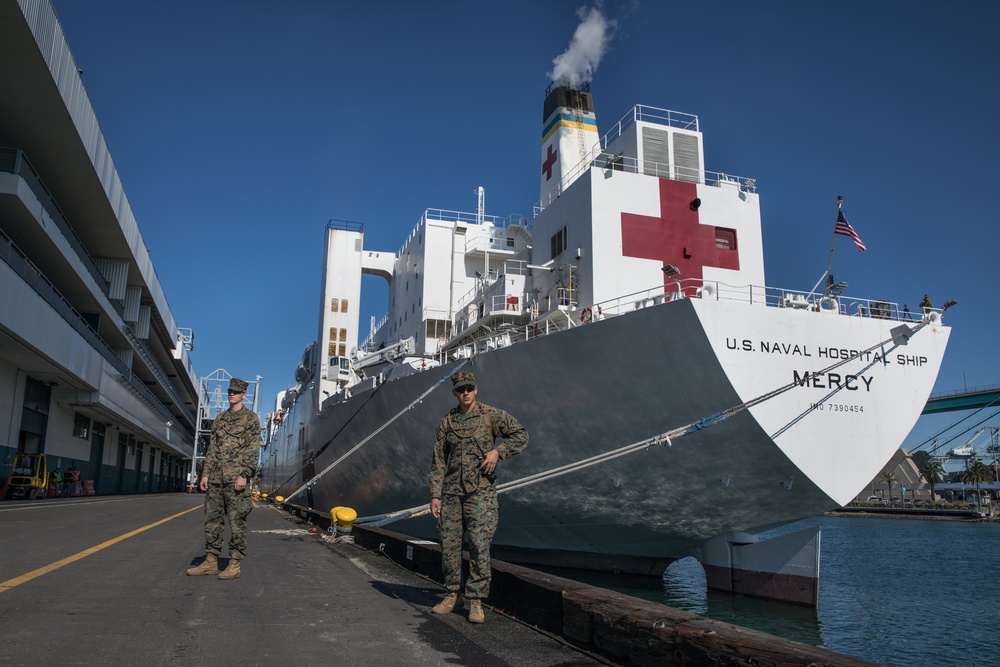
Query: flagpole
833, 244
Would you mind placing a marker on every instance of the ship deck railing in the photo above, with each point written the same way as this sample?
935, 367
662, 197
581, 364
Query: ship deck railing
464, 217
602, 159
517, 318
563, 317
827, 302
656, 115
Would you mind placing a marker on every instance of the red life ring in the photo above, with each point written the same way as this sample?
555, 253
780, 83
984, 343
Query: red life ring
587, 315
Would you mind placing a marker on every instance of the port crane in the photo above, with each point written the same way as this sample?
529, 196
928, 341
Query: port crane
983, 444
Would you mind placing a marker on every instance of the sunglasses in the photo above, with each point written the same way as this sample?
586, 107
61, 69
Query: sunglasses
465, 389
234, 393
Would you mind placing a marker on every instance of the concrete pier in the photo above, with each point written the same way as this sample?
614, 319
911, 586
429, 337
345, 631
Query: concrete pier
100, 580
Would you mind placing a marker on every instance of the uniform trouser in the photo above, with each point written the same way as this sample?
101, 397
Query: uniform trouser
475, 514
222, 501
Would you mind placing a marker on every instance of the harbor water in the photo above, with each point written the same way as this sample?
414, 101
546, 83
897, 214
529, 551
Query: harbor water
906, 593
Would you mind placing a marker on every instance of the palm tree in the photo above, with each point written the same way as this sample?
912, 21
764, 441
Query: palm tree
930, 473
889, 477
976, 473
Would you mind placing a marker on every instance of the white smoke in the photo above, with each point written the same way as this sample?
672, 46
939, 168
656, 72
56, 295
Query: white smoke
590, 42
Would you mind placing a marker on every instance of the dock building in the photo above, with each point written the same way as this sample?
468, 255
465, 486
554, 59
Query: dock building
94, 370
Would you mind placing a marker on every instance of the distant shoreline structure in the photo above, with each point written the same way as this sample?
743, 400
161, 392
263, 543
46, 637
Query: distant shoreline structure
897, 513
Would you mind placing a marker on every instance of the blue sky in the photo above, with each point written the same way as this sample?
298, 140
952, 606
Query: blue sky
240, 128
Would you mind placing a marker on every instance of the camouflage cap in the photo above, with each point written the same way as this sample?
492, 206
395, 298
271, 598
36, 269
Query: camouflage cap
463, 378
236, 384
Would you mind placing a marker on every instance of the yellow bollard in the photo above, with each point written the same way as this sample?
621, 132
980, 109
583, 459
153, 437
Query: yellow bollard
279, 499
345, 517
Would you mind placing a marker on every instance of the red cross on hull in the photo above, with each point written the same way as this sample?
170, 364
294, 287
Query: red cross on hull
676, 237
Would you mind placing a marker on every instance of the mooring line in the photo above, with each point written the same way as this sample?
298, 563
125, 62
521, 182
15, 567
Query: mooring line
381, 428
660, 439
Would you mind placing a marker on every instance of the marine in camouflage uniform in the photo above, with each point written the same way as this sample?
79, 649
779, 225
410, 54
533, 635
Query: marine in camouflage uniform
463, 488
230, 463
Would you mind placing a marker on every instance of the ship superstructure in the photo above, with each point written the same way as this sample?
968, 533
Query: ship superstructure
629, 312
459, 276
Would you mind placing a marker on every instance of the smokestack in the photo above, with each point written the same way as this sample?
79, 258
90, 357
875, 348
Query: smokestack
569, 137
569, 130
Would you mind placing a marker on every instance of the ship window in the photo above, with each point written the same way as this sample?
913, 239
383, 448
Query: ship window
81, 426
558, 242
725, 239
334, 305
342, 349
343, 335
343, 305
510, 242
331, 351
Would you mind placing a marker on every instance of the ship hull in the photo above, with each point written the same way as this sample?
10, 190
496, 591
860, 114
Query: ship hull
600, 386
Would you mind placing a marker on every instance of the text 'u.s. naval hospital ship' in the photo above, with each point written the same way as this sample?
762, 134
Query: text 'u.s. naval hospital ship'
676, 405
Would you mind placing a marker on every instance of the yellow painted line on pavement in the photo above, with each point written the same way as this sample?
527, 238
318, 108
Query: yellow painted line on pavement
17, 581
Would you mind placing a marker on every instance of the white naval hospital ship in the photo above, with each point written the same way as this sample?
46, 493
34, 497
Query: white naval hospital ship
630, 311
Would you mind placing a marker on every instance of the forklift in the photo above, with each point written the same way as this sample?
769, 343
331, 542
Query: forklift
30, 478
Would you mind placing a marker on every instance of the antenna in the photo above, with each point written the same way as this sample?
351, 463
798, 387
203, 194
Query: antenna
480, 219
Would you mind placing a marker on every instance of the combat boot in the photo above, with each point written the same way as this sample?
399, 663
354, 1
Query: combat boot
446, 605
232, 571
208, 566
476, 612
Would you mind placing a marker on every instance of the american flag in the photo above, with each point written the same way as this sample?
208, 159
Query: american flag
844, 228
